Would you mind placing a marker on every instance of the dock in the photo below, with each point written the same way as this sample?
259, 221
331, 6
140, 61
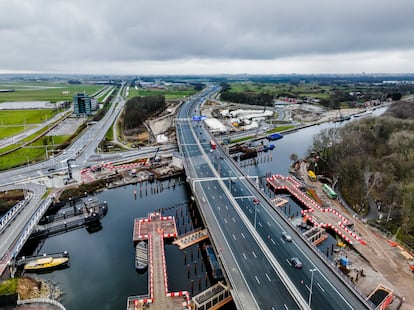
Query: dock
279, 201
73, 218
191, 238
315, 213
155, 228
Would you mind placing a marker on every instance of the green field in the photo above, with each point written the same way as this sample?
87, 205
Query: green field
32, 153
6, 132
22, 117
12, 122
170, 94
52, 92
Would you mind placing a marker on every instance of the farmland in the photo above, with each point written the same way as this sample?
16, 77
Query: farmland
36, 91
170, 93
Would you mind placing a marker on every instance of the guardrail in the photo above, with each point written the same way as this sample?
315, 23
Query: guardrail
15, 210
27, 230
41, 301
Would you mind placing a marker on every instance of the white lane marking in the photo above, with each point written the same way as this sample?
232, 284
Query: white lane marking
267, 276
208, 187
244, 255
282, 240
289, 262
286, 307
260, 224
273, 241
323, 276
212, 196
225, 221
250, 210
226, 207
234, 220
221, 197
257, 279
234, 237
320, 287
254, 254
218, 207
268, 223
243, 236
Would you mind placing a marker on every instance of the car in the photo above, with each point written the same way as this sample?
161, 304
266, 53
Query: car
286, 236
296, 262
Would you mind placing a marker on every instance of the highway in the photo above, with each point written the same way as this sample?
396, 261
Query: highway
246, 232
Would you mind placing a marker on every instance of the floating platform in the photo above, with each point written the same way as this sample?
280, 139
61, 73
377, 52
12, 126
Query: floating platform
164, 225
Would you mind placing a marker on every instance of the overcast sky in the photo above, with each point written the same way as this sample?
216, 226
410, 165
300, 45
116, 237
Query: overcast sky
206, 37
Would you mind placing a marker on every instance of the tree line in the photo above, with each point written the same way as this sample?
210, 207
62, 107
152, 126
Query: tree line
138, 109
261, 99
373, 161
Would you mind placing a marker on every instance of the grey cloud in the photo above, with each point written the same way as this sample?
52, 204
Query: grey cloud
45, 34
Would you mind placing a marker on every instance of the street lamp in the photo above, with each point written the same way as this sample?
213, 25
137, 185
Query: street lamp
255, 202
310, 290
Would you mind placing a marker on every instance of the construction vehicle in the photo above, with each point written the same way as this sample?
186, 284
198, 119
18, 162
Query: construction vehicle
155, 159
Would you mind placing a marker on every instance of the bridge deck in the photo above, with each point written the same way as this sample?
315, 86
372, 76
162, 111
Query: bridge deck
319, 216
191, 238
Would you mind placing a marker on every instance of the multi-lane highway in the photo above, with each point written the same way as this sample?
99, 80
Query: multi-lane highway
247, 233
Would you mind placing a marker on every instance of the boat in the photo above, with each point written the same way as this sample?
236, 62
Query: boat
141, 256
46, 262
215, 266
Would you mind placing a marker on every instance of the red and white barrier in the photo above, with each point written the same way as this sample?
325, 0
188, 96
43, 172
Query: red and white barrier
311, 204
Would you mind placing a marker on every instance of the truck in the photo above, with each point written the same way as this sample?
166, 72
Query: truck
213, 144
274, 136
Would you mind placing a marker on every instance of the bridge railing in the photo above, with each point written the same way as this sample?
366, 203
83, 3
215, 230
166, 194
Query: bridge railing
15, 210
28, 228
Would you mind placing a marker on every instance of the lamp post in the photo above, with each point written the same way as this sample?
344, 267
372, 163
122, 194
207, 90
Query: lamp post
255, 202
311, 284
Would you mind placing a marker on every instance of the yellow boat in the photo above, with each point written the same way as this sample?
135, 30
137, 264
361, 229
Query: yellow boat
45, 263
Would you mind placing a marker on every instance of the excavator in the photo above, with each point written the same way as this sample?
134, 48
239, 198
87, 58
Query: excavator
155, 159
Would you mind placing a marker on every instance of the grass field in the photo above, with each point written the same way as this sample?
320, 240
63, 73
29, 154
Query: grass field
170, 94
52, 92
12, 122
32, 153
6, 132
21, 117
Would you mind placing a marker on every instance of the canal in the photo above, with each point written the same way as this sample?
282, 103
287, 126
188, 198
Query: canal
102, 273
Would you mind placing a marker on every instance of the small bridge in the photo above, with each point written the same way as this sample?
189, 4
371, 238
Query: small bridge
214, 297
191, 238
